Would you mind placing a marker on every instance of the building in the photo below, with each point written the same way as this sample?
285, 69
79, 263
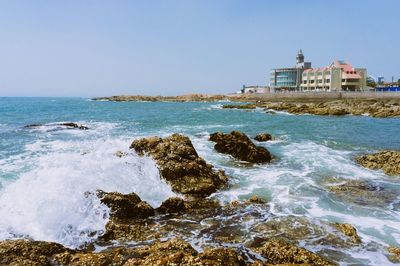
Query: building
338, 76
289, 78
255, 89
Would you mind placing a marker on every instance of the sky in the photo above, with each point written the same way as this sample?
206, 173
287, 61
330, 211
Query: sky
98, 48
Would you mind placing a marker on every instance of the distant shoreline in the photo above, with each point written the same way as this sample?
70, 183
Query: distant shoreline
299, 97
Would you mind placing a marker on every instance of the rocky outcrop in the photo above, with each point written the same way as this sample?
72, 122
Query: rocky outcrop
363, 193
238, 145
25, 252
180, 165
278, 251
388, 161
240, 106
125, 206
374, 108
66, 125
172, 205
171, 252
263, 137
348, 230
178, 252
181, 98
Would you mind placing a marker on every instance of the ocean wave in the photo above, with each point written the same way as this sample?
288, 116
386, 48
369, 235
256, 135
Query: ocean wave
48, 201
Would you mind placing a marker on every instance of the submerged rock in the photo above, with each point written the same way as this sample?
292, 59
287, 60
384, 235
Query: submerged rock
388, 161
348, 230
240, 147
67, 125
180, 165
278, 251
263, 137
125, 206
363, 193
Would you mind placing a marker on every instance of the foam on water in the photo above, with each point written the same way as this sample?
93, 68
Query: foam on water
49, 201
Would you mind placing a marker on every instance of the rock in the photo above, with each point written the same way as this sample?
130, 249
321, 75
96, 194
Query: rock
278, 251
68, 125
388, 161
180, 165
256, 200
348, 230
240, 106
179, 252
26, 252
240, 147
125, 206
263, 137
120, 154
394, 254
363, 193
172, 205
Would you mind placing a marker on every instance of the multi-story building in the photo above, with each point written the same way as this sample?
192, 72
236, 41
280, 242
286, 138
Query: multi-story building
289, 78
338, 76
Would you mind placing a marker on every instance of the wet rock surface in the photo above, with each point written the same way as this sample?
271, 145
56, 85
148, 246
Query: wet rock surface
348, 230
171, 252
388, 161
363, 193
67, 125
125, 206
180, 165
239, 146
263, 137
278, 251
394, 254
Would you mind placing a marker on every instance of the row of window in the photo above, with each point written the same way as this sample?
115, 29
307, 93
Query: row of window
313, 81
318, 73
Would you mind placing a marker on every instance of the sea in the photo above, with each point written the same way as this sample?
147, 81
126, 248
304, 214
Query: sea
46, 171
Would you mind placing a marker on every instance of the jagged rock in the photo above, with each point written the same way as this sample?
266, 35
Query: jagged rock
180, 165
125, 206
388, 161
394, 254
178, 252
240, 146
67, 125
25, 252
256, 200
263, 137
278, 251
363, 193
172, 205
348, 230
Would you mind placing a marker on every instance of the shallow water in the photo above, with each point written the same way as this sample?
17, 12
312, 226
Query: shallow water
45, 172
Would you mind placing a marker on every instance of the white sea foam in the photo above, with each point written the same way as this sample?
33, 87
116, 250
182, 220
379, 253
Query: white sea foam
48, 201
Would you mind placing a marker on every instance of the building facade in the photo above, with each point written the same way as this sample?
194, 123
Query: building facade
338, 76
289, 78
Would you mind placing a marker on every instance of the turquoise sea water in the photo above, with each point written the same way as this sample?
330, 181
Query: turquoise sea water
45, 171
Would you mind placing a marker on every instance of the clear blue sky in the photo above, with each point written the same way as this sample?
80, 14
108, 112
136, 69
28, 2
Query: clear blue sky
95, 48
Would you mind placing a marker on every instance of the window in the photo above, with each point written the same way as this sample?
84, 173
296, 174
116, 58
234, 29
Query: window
327, 80
320, 81
343, 80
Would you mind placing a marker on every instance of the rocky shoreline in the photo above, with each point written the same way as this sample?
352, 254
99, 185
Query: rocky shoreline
373, 108
139, 234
